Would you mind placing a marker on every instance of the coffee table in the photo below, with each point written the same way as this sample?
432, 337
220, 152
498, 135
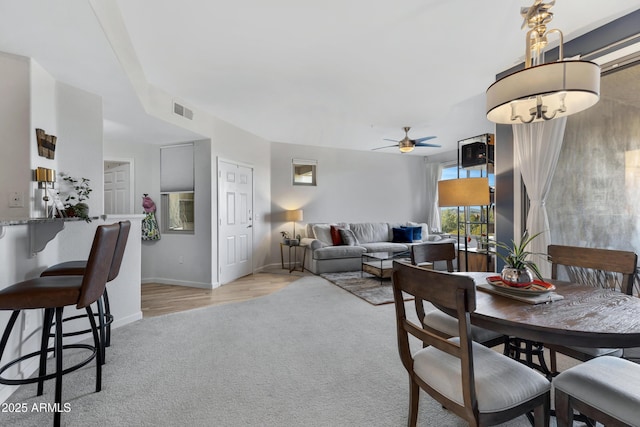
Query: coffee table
380, 264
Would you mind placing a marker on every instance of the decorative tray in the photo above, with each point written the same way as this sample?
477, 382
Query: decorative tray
537, 287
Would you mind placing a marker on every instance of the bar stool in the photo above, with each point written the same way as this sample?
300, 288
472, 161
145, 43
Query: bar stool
53, 294
77, 268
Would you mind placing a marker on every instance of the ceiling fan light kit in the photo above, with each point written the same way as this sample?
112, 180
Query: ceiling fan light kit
543, 91
406, 145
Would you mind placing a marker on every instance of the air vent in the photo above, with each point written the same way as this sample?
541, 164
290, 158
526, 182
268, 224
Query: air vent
183, 111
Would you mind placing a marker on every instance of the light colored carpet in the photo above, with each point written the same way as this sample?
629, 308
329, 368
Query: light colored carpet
307, 355
368, 287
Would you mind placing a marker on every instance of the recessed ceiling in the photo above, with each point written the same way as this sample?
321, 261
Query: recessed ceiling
333, 73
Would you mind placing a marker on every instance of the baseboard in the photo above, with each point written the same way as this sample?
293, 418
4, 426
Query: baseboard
29, 369
164, 281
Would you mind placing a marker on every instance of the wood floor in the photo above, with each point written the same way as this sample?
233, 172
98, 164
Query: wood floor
160, 299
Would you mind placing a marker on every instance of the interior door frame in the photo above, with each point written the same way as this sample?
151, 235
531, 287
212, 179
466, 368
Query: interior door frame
218, 273
132, 179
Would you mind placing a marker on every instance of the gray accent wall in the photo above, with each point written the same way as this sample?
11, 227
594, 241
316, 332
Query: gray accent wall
593, 199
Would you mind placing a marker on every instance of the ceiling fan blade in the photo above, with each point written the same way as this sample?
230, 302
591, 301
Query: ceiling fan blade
426, 138
386, 146
424, 144
392, 140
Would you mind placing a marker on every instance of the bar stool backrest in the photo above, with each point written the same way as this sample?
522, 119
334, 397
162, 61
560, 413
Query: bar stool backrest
118, 255
98, 264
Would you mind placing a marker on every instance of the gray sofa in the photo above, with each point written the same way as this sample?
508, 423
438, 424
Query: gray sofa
325, 256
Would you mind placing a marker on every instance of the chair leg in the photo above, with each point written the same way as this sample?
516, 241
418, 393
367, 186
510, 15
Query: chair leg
107, 312
7, 333
542, 413
101, 328
44, 347
554, 364
59, 367
564, 412
414, 399
98, 344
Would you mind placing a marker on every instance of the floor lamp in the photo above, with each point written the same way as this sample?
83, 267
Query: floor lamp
464, 192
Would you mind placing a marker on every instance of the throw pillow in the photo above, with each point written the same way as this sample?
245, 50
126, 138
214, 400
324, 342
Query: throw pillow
425, 229
348, 237
322, 232
402, 235
335, 236
416, 233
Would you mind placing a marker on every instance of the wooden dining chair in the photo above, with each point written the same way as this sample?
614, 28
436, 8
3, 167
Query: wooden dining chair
435, 320
605, 389
474, 382
601, 268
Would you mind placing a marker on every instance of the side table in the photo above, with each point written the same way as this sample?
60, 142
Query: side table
292, 266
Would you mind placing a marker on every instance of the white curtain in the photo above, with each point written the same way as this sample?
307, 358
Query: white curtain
434, 170
537, 148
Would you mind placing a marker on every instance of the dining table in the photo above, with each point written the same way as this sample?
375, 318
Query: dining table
586, 316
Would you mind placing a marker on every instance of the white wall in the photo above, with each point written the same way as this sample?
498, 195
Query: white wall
79, 147
14, 121
353, 186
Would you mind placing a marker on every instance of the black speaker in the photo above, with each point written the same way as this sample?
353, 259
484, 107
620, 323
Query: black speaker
475, 154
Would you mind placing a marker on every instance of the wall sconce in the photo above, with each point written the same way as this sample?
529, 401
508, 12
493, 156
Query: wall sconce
43, 177
543, 91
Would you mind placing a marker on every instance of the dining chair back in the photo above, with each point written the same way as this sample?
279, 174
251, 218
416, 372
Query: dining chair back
435, 320
431, 252
445, 368
601, 268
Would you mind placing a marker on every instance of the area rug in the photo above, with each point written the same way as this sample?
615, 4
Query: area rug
369, 288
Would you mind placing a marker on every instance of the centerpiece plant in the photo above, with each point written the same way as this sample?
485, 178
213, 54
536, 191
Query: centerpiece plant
519, 267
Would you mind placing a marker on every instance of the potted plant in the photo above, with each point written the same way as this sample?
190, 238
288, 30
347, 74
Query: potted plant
518, 270
74, 205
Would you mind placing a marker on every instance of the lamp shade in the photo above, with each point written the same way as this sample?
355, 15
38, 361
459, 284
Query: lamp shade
293, 215
464, 192
558, 89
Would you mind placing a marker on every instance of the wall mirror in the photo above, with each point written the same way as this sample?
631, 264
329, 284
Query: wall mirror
304, 172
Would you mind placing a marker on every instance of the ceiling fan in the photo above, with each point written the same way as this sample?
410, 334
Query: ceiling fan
407, 145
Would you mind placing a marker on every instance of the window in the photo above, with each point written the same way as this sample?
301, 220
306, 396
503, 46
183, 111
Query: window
177, 212
177, 188
304, 172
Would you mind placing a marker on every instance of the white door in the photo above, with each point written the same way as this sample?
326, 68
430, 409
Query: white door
117, 192
235, 221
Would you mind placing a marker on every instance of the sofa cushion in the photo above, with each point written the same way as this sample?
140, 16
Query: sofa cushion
335, 252
322, 232
336, 238
371, 231
385, 247
348, 237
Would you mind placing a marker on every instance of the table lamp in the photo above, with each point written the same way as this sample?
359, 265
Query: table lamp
293, 215
464, 192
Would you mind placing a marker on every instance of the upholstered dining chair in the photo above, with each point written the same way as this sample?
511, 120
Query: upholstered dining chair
605, 389
602, 268
53, 294
78, 268
435, 320
478, 384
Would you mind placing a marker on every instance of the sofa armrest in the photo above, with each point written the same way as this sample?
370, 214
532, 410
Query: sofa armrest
312, 243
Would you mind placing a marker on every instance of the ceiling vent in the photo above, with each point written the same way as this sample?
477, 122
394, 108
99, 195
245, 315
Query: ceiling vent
183, 111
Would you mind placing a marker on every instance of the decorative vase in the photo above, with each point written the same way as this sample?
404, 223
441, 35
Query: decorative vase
516, 276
